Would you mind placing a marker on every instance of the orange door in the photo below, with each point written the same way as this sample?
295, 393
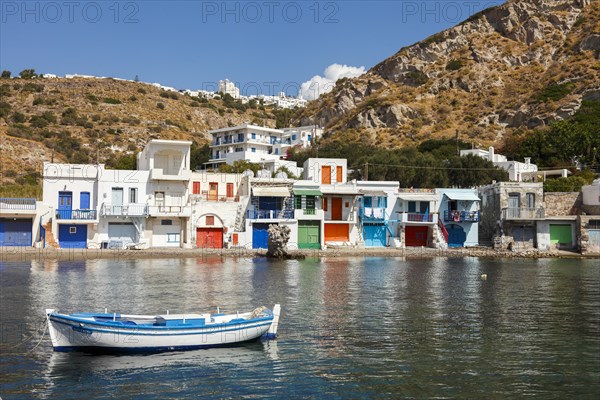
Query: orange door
326, 175
230, 190
336, 208
209, 238
337, 233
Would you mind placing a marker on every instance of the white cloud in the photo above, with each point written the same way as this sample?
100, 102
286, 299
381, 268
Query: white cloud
319, 85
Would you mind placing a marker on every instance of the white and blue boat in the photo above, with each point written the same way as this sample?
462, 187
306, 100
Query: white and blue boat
106, 332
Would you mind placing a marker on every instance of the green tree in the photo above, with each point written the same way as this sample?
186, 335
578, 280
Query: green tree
5, 74
199, 155
28, 74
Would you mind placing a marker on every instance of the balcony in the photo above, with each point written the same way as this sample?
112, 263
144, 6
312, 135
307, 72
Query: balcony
79, 215
461, 216
523, 214
159, 174
169, 211
270, 214
14, 205
206, 196
372, 214
419, 218
128, 210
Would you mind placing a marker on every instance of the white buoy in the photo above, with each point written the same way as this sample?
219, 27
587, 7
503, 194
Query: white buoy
484, 277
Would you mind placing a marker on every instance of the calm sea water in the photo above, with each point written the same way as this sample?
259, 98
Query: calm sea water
350, 328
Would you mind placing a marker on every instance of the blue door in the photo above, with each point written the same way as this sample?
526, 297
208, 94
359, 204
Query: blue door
375, 235
65, 205
456, 235
84, 200
15, 232
72, 236
260, 236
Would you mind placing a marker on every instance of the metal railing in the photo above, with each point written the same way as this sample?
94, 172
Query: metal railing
419, 217
126, 209
168, 209
15, 203
461, 216
522, 213
76, 214
270, 214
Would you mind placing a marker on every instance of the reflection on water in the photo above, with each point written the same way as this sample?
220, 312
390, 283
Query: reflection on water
350, 327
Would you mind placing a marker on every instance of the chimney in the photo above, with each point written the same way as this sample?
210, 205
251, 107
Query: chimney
527, 160
491, 154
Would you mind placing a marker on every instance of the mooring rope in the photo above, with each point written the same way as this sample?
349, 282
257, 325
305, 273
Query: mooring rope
40, 341
30, 337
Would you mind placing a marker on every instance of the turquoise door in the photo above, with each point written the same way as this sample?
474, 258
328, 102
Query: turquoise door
375, 235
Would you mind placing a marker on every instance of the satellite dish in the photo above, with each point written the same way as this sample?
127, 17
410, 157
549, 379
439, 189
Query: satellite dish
249, 173
281, 175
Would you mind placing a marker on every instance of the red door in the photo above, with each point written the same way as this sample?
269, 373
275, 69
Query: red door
209, 238
336, 208
416, 236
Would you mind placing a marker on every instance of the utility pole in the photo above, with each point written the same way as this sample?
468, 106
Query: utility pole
367, 171
457, 149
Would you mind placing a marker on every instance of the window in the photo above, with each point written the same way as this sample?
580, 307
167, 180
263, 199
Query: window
276, 151
172, 237
530, 198
368, 201
293, 137
166, 222
73, 230
240, 137
196, 188
311, 202
412, 206
338, 173
298, 202
382, 202
325, 201
133, 195
253, 135
253, 149
424, 207
230, 190
210, 220
309, 137
239, 149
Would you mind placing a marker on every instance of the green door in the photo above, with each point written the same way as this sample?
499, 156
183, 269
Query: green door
309, 235
561, 235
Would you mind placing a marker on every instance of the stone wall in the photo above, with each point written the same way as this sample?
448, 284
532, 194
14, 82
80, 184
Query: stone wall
565, 203
586, 224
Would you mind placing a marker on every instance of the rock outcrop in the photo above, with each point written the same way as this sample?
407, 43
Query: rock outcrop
491, 70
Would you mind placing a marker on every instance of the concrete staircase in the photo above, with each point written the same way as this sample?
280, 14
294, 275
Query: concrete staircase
50, 240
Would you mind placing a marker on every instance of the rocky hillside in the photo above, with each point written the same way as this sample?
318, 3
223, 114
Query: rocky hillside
518, 66
82, 120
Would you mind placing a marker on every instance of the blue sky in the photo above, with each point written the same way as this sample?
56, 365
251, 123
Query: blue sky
192, 44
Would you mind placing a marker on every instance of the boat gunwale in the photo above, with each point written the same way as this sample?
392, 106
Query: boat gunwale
111, 324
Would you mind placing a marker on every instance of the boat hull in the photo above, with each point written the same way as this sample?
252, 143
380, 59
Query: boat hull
68, 335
